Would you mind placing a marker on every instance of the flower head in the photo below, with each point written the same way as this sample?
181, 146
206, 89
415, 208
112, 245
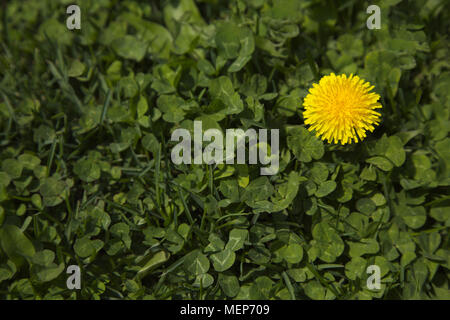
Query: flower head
341, 108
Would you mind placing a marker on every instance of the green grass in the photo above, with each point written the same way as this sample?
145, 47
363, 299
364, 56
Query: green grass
86, 176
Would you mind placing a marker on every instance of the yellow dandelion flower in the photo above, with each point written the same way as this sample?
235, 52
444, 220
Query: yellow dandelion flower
341, 108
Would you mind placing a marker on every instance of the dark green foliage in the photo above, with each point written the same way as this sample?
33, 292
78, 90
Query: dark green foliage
86, 176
